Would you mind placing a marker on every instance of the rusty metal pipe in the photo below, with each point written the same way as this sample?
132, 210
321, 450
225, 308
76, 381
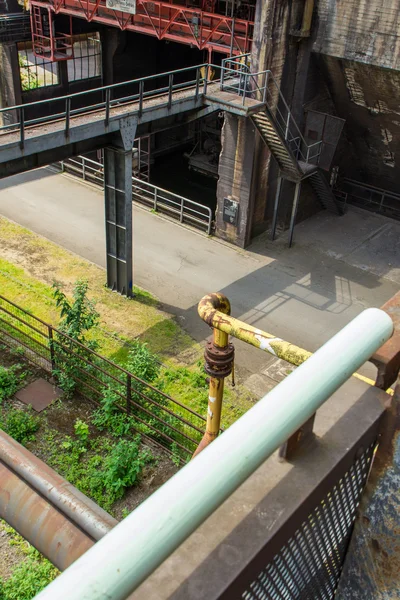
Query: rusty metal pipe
219, 357
55, 517
212, 309
307, 18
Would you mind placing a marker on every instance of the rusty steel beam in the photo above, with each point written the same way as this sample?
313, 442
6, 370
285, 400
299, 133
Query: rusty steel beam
55, 517
387, 358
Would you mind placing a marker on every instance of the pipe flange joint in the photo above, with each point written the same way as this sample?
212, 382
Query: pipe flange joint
219, 361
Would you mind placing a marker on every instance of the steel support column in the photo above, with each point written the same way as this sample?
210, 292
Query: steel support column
296, 198
276, 207
118, 214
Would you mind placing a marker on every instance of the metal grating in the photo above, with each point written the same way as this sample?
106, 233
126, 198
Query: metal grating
309, 564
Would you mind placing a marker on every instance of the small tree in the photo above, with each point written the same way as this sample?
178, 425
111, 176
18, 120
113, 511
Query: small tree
78, 317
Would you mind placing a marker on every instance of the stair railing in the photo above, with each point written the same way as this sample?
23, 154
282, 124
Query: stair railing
236, 77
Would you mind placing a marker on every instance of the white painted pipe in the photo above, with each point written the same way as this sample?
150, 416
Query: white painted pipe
115, 566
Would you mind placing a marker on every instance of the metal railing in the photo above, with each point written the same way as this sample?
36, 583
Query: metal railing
15, 27
237, 78
158, 417
126, 556
160, 200
368, 196
161, 86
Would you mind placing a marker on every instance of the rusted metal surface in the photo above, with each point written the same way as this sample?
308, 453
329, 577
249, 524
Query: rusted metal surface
387, 359
301, 437
219, 356
212, 310
55, 517
219, 361
372, 567
39, 394
46, 528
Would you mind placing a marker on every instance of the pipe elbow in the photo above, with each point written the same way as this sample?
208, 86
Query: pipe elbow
212, 304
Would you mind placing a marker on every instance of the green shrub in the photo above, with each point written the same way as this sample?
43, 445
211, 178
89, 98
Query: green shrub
77, 318
9, 382
142, 363
125, 464
20, 425
81, 430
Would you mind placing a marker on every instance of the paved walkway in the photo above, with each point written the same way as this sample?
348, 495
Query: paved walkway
338, 266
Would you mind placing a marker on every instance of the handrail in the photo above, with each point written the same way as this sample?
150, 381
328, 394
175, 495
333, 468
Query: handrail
112, 86
370, 188
126, 556
288, 122
184, 206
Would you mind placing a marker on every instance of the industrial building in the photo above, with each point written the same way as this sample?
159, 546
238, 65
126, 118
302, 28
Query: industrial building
336, 65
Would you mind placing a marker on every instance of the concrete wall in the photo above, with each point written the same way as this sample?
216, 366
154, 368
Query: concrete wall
235, 177
366, 31
10, 88
358, 45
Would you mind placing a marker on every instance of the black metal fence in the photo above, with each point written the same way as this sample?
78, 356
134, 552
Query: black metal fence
157, 416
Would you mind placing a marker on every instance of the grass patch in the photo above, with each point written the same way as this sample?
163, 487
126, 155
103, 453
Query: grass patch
28, 577
40, 263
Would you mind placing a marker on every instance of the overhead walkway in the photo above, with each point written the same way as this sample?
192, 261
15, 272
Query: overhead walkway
93, 119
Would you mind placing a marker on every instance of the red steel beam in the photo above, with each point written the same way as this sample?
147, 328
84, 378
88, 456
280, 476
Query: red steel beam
165, 21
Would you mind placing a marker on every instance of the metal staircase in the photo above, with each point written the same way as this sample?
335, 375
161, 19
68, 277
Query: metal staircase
297, 160
294, 157
324, 192
271, 136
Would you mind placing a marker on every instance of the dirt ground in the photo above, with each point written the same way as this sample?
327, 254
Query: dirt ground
10, 555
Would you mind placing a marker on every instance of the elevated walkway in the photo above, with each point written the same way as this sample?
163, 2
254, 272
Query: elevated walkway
95, 118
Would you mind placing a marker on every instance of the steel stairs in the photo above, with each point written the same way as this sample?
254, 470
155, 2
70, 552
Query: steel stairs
291, 167
324, 192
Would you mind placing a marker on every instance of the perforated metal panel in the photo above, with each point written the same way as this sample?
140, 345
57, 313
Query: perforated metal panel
308, 565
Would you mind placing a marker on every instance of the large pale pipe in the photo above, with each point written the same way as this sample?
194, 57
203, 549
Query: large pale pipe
126, 556
55, 517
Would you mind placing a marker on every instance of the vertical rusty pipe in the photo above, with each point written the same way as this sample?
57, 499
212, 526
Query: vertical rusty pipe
307, 18
219, 356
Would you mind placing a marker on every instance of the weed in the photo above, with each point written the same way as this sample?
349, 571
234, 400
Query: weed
9, 381
125, 464
81, 431
28, 578
76, 319
20, 425
175, 456
102, 470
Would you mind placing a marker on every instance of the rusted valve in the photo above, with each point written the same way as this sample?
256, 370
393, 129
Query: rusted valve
219, 361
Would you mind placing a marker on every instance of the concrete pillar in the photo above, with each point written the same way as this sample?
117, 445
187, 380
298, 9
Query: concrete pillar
10, 85
111, 39
235, 177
